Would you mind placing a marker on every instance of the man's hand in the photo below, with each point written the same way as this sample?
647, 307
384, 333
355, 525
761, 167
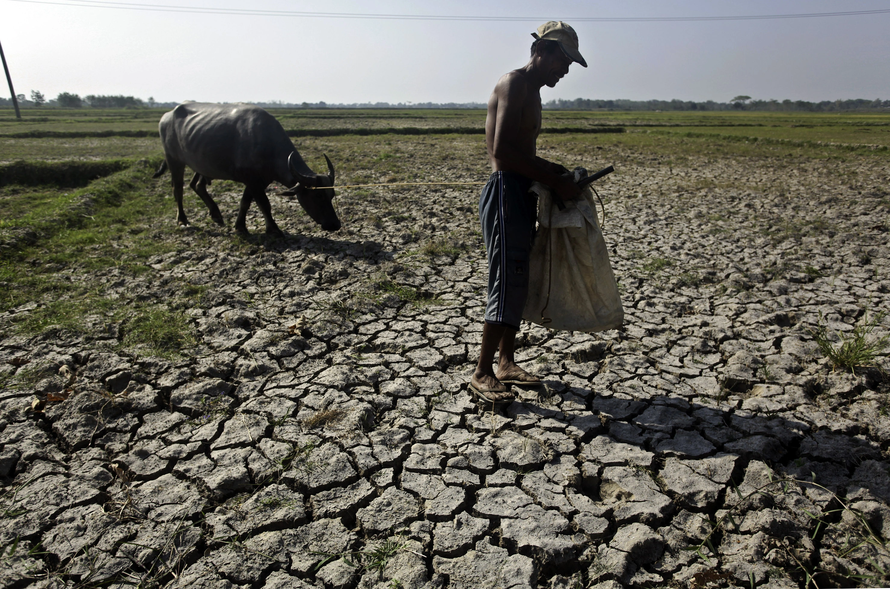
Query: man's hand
562, 182
558, 169
565, 188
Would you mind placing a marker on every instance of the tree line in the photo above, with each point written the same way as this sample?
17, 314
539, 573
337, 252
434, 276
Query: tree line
69, 100
737, 103
741, 102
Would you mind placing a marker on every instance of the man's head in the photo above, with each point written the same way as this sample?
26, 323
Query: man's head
563, 35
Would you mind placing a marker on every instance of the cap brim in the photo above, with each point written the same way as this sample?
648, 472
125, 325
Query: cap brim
573, 55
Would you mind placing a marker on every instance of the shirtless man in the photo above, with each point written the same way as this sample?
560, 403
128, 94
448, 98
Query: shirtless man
506, 208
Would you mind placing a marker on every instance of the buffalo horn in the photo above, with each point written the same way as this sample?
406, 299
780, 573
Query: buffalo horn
330, 167
301, 179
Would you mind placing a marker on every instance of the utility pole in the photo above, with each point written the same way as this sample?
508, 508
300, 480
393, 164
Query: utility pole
15, 101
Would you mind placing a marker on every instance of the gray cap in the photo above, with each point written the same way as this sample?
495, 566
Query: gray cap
564, 35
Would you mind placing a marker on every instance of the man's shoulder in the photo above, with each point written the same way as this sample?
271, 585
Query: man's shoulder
515, 77
513, 82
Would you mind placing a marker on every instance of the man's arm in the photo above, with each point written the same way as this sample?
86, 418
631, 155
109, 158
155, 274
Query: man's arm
552, 166
513, 140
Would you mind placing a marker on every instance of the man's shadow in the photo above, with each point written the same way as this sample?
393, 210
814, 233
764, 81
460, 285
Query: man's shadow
671, 426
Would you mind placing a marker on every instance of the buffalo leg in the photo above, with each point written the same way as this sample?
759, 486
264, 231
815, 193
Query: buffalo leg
177, 173
199, 185
258, 194
241, 221
262, 201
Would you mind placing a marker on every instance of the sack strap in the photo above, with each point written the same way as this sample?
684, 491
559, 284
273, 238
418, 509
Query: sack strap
546, 320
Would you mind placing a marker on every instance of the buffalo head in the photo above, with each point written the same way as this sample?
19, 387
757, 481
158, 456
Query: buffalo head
317, 203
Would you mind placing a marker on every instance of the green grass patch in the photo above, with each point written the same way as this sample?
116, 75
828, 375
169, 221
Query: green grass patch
340, 307
67, 174
155, 331
656, 265
67, 252
859, 349
851, 136
373, 559
194, 292
52, 210
405, 294
689, 279
449, 245
159, 331
78, 151
794, 229
63, 309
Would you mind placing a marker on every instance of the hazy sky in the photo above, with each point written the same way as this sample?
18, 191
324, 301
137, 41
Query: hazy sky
175, 50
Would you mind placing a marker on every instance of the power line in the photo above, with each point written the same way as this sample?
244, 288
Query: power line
370, 16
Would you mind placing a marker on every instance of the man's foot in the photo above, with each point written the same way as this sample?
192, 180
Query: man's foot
516, 375
490, 390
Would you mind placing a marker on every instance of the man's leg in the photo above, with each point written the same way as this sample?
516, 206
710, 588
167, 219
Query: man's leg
506, 244
508, 371
500, 339
506, 351
484, 376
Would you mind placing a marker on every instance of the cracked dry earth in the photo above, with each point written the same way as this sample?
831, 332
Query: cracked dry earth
321, 433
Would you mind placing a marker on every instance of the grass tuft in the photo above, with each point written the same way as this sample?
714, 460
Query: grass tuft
164, 333
656, 265
859, 349
406, 294
444, 246
323, 418
373, 559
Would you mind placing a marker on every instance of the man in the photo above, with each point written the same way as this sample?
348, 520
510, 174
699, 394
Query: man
506, 208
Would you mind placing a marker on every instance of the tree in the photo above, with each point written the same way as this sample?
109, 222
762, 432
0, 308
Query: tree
37, 97
69, 100
739, 101
112, 101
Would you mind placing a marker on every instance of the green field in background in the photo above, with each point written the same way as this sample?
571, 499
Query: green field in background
853, 129
76, 186
53, 135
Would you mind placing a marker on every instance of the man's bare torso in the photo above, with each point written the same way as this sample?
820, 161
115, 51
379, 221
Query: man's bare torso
514, 117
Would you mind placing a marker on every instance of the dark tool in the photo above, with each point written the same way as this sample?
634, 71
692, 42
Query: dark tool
595, 176
584, 182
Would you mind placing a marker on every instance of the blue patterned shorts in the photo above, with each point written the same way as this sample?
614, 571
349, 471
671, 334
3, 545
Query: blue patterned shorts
507, 212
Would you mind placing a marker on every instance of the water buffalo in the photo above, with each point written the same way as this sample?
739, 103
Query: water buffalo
246, 144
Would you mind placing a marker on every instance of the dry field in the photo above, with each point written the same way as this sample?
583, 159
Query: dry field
181, 407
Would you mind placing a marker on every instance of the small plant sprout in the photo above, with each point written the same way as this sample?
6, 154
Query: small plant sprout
859, 349
372, 559
864, 539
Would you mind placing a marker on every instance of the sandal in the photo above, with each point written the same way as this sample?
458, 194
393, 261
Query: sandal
518, 376
493, 395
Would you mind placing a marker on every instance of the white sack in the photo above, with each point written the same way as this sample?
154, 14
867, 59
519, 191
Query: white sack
571, 284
